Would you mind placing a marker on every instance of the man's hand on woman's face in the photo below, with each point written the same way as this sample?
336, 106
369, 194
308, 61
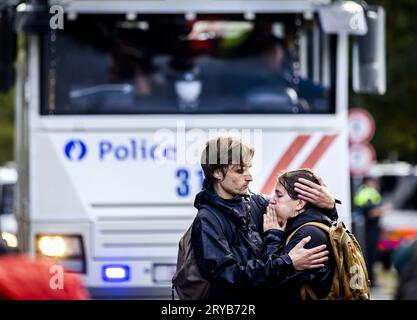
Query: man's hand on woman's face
271, 220
316, 194
304, 259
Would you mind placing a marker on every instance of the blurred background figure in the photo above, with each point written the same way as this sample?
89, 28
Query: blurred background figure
405, 261
369, 205
26, 278
278, 62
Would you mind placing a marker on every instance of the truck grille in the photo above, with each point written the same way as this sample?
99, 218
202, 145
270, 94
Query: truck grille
139, 236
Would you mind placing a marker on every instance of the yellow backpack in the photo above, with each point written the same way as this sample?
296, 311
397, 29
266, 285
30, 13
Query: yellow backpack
350, 280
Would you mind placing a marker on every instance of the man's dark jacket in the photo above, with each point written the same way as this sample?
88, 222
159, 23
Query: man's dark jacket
228, 246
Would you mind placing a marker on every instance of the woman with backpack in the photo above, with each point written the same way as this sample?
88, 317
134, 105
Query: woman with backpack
301, 219
225, 237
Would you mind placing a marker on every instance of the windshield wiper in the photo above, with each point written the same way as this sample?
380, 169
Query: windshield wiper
124, 88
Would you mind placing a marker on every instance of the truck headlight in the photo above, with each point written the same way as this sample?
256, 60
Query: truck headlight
68, 249
52, 246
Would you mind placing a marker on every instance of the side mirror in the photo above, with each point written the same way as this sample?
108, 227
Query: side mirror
32, 18
368, 62
7, 48
345, 17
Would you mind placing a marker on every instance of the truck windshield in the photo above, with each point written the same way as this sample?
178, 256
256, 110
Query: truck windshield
166, 64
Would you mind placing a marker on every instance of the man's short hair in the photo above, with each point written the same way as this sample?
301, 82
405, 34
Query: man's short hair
221, 152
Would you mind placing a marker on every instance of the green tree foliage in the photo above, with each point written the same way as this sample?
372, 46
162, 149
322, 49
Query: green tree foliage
395, 112
6, 127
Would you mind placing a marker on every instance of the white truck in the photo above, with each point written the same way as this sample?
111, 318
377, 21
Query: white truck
115, 100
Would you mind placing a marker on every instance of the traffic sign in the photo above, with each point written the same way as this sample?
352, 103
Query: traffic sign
361, 126
361, 157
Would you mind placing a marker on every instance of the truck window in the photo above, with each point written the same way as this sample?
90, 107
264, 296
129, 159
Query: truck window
213, 64
401, 191
410, 202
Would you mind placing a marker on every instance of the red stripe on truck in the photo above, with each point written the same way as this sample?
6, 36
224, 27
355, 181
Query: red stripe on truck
284, 162
318, 151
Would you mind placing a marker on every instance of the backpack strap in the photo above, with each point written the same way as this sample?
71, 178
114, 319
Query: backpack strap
312, 223
306, 291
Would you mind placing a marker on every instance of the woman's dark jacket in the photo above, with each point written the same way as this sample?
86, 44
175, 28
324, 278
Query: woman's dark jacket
228, 246
320, 279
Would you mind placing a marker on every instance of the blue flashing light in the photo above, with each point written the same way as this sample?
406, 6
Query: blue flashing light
115, 273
